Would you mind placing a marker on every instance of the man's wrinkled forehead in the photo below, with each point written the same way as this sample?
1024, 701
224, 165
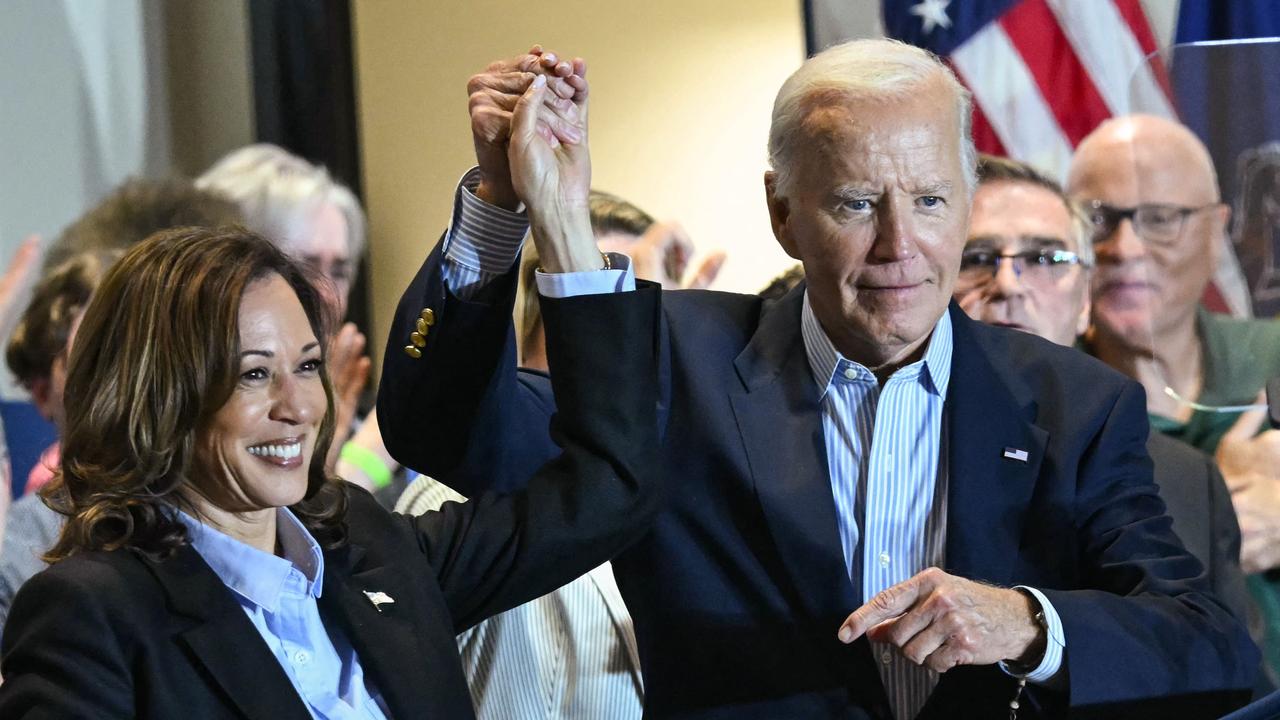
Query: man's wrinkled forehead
837, 124
1013, 215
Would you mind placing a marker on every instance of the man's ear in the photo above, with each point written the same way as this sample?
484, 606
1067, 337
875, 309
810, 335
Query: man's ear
1086, 309
779, 212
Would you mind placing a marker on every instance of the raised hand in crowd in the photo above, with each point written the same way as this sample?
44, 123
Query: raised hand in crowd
1249, 458
21, 270
664, 253
348, 368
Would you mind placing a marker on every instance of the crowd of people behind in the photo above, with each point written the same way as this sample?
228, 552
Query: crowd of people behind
893, 484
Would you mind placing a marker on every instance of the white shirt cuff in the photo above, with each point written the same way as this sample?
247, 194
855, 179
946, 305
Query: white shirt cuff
1055, 645
619, 278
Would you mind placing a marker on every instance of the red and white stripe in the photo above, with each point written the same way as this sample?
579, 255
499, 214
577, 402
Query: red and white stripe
1048, 72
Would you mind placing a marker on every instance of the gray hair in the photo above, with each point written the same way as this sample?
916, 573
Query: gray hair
884, 70
275, 189
993, 169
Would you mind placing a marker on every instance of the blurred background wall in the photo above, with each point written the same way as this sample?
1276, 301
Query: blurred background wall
681, 96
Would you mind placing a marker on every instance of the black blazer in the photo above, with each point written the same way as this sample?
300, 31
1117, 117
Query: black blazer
740, 586
119, 635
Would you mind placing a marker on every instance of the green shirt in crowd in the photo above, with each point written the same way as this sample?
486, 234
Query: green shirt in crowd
1240, 356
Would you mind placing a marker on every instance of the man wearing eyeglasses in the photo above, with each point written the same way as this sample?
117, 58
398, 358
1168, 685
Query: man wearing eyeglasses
1026, 265
1159, 226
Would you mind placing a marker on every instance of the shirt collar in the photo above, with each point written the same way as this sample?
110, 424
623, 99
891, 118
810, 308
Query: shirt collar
257, 576
829, 366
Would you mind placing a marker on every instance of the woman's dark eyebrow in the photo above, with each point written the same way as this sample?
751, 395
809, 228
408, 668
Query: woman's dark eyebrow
269, 354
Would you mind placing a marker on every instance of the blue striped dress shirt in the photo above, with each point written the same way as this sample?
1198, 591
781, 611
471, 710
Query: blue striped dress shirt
892, 474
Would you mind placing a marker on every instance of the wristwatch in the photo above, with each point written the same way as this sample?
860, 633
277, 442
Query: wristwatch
1038, 617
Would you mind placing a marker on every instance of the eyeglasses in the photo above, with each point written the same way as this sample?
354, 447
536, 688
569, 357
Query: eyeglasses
1039, 268
1153, 222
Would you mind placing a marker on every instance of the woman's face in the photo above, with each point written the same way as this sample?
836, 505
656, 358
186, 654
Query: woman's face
257, 451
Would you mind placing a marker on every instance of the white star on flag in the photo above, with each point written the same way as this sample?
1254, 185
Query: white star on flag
932, 13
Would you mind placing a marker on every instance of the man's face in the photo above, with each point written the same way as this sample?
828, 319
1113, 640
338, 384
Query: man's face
1016, 218
877, 211
323, 243
1142, 287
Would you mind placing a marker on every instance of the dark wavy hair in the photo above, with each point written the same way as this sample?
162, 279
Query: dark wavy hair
156, 357
41, 333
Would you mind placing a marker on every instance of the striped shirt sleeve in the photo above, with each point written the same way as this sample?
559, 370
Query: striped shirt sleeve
483, 240
1054, 647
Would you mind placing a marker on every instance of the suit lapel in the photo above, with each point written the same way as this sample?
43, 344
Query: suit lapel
780, 420
384, 635
995, 455
222, 639
988, 494
602, 578
779, 417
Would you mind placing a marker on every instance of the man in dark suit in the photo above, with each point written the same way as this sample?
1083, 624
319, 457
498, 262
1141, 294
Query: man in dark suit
980, 499
1026, 266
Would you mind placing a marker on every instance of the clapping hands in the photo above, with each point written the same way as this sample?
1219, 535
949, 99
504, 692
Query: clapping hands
1249, 458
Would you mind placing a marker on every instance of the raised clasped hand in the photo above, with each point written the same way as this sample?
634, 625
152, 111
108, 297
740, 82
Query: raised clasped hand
941, 621
550, 168
492, 97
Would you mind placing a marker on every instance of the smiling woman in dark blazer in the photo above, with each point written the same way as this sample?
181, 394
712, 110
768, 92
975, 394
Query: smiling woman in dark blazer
209, 568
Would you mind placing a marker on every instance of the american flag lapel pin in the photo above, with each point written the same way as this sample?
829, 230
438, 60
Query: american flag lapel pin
378, 599
1015, 454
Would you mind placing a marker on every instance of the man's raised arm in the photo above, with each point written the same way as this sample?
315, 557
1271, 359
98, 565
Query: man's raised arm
451, 403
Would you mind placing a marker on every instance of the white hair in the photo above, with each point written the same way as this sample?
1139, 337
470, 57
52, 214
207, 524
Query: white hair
875, 70
276, 190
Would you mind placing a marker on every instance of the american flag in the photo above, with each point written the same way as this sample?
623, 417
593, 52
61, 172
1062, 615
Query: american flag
1044, 74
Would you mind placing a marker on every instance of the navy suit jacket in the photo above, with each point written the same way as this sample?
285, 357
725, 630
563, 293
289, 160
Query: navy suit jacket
739, 588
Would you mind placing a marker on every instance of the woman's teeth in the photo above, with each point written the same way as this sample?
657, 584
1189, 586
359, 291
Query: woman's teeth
284, 452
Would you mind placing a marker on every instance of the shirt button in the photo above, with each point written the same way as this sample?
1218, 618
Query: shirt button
850, 373
884, 559
302, 657
886, 658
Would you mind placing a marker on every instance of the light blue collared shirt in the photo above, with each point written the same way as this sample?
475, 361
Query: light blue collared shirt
887, 460
279, 596
896, 486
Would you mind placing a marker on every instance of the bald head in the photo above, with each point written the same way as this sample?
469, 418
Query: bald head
1148, 277
1150, 151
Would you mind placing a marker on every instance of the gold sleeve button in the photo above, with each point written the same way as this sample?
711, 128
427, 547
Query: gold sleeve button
417, 339
422, 326
428, 316
412, 352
